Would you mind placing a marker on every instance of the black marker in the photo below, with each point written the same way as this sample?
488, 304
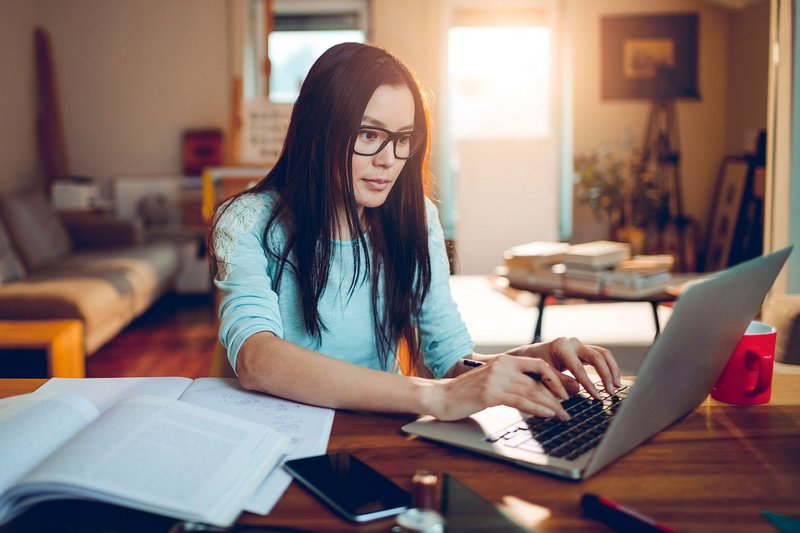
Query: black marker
619, 517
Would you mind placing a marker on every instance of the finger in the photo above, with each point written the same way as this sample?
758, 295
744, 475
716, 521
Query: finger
570, 384
542, 395
583, 378
527, 406
574, 354
545, 374
611, 362
536, 395
589, 355
538, 392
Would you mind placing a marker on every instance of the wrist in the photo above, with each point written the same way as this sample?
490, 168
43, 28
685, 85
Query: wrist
430, 395
519, 350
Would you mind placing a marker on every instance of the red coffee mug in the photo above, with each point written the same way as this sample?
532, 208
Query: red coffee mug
747, 378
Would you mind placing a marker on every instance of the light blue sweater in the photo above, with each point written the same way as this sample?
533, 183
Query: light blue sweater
249, 305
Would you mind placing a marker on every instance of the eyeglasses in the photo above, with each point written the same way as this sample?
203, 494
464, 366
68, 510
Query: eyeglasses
370, 140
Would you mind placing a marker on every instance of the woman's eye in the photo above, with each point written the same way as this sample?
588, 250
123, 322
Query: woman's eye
368, 135
403, 140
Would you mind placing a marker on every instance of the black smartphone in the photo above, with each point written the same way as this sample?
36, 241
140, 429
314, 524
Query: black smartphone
349, 486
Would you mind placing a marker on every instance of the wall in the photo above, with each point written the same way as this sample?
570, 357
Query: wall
410, 30
17, 95
782, 201
702, 123
793, 212
748, 76
133, 75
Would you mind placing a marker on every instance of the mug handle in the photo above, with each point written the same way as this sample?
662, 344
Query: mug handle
763, 379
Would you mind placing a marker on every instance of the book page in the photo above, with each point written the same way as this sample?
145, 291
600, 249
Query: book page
34, 426
105, 392
308, 427
164, 456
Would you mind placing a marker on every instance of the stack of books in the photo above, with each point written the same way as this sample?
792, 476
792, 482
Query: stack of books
641, 276
597, 267
536, 262
588, 264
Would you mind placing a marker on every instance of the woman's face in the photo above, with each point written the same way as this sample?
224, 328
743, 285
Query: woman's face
390, 108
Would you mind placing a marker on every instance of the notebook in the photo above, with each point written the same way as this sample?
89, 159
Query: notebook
706, 324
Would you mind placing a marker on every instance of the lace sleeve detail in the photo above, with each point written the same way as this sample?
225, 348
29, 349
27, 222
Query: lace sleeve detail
239, 217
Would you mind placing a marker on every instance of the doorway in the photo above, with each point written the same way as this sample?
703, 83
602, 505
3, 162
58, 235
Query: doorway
503, 149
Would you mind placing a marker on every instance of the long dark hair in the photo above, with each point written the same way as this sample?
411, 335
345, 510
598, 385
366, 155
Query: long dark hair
315, 168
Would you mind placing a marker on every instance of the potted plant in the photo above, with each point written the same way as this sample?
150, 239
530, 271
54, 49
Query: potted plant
615, 185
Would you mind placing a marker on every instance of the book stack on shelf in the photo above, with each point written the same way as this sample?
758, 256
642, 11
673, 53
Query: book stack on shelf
538, 263
596, 268
642, 275
588, 264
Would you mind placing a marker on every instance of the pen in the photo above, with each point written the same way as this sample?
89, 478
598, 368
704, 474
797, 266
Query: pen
474, 363
619, 517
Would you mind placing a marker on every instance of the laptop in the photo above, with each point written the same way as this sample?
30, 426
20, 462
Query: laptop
676, 375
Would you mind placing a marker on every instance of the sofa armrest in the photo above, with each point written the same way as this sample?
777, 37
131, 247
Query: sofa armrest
101, 231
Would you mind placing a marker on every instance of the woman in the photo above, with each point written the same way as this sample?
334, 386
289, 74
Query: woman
336, 258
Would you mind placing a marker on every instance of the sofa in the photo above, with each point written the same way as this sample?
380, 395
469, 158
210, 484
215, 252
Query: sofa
85, 266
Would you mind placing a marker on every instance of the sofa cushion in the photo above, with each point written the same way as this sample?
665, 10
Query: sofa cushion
34, 227
11, 268
144, 272
102, 308
106, 289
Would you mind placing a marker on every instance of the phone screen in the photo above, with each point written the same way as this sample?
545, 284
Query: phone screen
352, 488
465, 510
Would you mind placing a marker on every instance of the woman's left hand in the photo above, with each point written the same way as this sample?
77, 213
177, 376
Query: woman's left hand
571, 354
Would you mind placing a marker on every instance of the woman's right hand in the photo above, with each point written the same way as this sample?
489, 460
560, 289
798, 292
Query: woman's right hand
504, 380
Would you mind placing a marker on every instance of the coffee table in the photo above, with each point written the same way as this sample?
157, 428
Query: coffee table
668, 295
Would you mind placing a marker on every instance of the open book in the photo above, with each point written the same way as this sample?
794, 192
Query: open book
152, 452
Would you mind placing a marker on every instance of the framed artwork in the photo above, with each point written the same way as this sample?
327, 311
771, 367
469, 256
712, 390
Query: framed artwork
726, 204
649, 56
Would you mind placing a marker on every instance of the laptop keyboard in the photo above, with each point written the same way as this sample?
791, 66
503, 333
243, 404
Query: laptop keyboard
571, 439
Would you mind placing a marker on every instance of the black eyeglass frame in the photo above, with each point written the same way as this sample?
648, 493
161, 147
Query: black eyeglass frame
391, 137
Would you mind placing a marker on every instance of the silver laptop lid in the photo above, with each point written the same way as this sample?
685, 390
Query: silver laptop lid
687, 358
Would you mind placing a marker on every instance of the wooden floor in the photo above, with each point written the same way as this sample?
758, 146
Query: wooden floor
176, 337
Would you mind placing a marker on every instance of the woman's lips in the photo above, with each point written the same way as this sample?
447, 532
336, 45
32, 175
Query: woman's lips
377, 185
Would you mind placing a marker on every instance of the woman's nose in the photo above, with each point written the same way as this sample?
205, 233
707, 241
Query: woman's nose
386, 156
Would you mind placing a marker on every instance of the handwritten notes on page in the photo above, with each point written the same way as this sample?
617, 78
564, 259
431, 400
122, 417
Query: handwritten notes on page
307, 427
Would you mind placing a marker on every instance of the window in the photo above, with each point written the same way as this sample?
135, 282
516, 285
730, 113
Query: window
302, 31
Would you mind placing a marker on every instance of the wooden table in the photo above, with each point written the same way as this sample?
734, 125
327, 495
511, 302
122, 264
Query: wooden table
62, 341
716, 469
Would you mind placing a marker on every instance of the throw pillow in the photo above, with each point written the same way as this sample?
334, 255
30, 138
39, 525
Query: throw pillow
11, 268
34, 227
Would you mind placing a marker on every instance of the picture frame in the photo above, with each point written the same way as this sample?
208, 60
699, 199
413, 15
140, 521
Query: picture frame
649, 56
727, 202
